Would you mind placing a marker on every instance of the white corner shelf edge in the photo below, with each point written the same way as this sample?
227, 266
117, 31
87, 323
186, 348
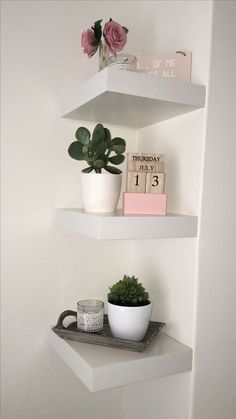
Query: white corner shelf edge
101, 368
126, 227
132, 99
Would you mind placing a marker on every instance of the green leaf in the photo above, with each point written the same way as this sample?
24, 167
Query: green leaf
107, 136
101, 148
85, 149
118, 145
83, 135
99, 163
97, 29
113, 170
128, 292
87, 170
118, 159
75, 151
125, 29
97, 137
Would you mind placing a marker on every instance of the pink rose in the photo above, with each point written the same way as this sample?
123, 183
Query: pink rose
115, 36
89, 42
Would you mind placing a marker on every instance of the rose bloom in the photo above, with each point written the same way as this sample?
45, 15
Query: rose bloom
115, 36
89, 42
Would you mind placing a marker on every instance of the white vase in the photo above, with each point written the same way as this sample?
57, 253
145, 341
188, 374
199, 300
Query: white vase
129, 322
100, 191
123, 61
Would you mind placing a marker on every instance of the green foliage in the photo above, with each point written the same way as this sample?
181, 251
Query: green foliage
96, 149
128, 292
97, 30
125, 29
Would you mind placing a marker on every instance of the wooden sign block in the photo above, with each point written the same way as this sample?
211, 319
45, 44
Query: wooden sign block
176, 65
155, 183
136, 182
141, 203
146, 162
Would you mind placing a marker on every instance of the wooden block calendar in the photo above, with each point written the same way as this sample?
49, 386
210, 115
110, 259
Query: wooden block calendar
145, 173
145, 184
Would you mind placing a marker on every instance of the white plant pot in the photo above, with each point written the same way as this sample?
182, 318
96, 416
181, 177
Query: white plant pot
129, 322
100, 191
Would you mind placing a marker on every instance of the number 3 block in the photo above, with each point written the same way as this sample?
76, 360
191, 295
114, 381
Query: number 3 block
155, 183
136, 182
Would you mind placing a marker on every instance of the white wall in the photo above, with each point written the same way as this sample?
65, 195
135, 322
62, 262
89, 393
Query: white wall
168, 267
215, 341
46, 270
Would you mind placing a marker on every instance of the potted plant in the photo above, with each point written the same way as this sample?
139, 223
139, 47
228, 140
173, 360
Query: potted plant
100, 191
129, 309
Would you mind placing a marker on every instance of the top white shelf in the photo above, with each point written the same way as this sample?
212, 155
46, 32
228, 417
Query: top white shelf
132, 99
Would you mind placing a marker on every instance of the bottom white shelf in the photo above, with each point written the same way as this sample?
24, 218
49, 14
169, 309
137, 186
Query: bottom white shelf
101, 368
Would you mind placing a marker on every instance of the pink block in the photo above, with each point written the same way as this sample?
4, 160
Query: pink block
142, 203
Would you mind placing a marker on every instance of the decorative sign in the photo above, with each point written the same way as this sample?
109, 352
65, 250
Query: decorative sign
145, 173
176, 65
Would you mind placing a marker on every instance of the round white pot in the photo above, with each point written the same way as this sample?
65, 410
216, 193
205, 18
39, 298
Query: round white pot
129, 322
100, 191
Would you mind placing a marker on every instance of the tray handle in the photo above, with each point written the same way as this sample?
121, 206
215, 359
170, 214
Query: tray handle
62, 317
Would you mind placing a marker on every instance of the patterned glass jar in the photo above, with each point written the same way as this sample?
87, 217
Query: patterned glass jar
90, 315
123, 61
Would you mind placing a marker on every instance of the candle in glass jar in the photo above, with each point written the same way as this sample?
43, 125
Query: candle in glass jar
90, 315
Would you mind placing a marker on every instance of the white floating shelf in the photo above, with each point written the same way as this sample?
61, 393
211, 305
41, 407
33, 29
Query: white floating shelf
122, 227
133, 99
101, 368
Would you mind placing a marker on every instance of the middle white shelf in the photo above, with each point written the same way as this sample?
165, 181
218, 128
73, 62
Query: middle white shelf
126, 227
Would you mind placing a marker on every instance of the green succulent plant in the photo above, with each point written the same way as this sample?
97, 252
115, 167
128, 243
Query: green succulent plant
96, 150
128, 292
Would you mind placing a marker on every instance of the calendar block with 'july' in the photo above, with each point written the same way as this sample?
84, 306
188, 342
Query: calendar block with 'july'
146, 162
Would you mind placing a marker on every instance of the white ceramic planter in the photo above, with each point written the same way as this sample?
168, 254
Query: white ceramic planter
129, 322
100, 191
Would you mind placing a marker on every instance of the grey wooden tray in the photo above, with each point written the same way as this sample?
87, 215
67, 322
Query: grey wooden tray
105, 337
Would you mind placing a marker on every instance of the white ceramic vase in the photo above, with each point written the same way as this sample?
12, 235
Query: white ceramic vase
123, 61
129, 322
100, 191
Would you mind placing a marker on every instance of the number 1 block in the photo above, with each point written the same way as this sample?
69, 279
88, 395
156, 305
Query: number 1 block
155, 183
136, 182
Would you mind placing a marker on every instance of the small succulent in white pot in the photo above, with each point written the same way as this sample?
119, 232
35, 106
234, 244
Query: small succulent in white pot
129, 309
100, 190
